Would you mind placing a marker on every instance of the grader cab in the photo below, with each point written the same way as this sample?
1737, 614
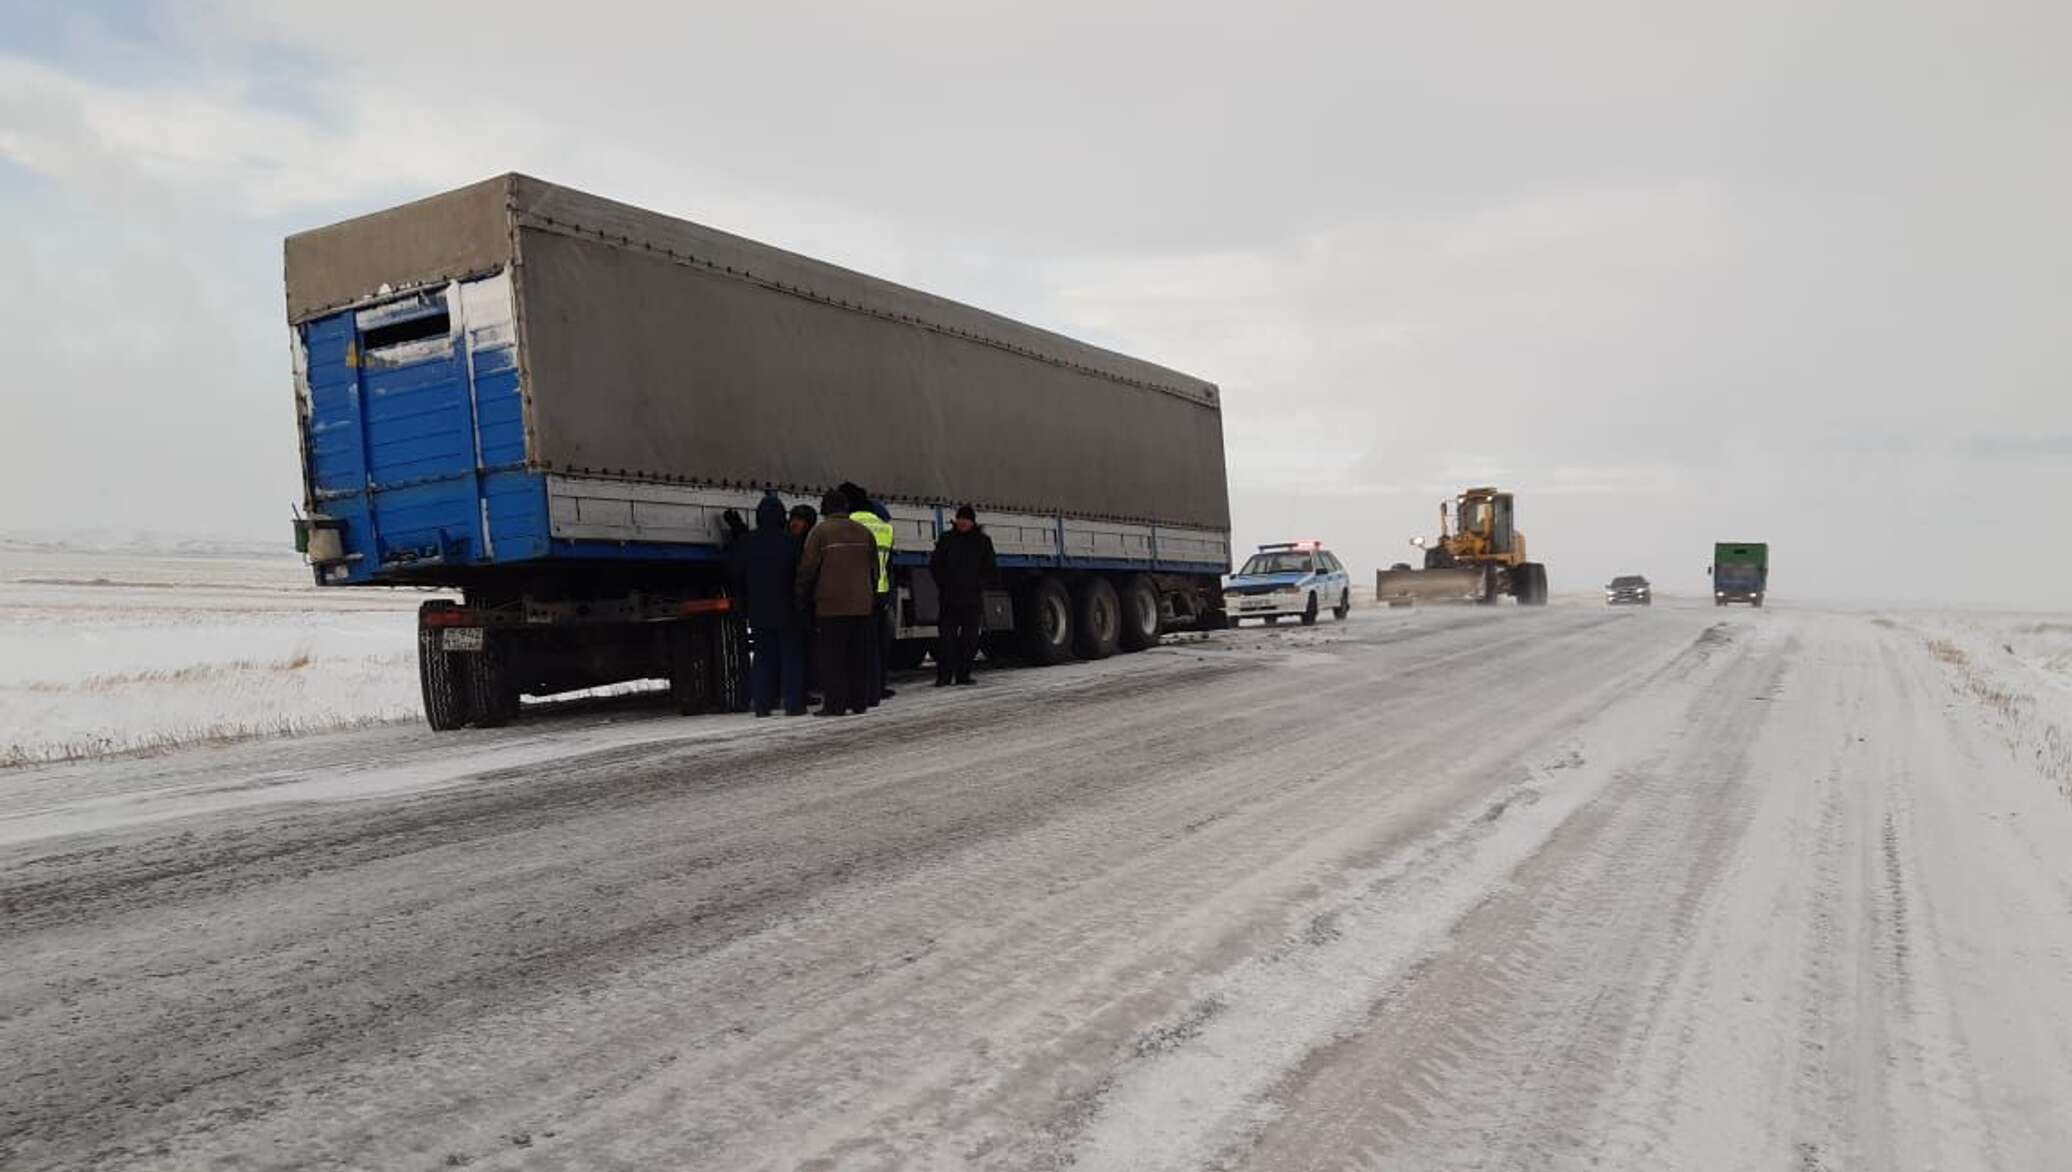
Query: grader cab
1478, 557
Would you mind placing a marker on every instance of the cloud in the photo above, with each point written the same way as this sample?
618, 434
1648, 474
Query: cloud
248, 144
2005, 446
1757, 276
1423, 349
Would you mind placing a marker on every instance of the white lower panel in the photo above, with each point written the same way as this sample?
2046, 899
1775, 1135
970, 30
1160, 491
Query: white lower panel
591, 508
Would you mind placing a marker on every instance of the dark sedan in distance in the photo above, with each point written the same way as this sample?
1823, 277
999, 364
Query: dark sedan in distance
1628, 590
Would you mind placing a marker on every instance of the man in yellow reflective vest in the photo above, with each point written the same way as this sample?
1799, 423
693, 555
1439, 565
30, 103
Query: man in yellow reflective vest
876, 518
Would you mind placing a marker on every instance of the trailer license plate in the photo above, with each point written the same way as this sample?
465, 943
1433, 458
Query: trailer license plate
462, 639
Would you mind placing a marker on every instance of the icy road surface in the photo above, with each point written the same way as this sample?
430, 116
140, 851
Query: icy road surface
1665, 888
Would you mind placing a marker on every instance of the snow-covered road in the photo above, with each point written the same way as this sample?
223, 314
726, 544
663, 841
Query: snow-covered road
1664, 888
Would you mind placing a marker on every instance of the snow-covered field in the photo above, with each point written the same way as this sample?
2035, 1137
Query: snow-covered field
106, 651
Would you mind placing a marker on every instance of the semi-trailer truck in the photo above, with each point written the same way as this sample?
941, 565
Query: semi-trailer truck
1740, 572
546, 402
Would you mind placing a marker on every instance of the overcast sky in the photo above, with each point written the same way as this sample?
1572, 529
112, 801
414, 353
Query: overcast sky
1674, 273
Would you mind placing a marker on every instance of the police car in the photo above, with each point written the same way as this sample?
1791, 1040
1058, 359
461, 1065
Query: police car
1288, 578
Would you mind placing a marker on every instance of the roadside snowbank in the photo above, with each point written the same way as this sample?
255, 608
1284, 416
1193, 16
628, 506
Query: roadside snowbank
2018, 668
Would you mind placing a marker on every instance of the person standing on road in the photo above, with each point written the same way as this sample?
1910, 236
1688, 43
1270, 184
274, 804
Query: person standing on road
801, 522
963, 566
802, 519
837, 582
765, 562
878, 519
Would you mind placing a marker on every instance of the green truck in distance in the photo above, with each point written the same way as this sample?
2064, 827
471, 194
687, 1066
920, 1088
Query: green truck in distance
1740, 572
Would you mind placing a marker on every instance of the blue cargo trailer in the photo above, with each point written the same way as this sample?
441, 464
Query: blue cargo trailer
548, 401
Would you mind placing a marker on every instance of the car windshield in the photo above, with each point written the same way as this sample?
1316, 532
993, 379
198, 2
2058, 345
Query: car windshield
1276, 563
1630, 580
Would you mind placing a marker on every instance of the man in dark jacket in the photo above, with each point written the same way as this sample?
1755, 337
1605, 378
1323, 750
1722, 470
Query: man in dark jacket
803, 518
765, 563
838, 580
963, 566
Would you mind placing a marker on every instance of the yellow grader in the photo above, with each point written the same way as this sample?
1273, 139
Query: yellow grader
1478, 557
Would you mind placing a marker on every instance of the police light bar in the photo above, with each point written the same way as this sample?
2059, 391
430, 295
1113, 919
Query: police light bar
1306, 546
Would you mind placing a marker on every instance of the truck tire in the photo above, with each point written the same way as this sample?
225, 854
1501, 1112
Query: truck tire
492, 686
1096, 618
690, 668
1344, 609
732, 635
1533, 585
1139, 612
441, 679
1309, 613
1047, 623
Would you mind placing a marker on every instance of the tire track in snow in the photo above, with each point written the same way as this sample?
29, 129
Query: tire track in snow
1418, 985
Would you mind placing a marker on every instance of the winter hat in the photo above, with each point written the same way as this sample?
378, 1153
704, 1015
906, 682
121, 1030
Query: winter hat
835, 503
966, 513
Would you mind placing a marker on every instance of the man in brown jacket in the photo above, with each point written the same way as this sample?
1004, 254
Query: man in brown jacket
838, 583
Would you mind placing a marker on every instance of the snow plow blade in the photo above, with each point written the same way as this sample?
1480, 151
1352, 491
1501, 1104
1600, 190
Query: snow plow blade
1409, 587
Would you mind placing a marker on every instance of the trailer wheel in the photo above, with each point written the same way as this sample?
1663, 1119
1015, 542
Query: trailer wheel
1047, 631
690, 667
1344, 607
1139, 613
445, 689
1309, 613
492, 688
731, 635
1096, 618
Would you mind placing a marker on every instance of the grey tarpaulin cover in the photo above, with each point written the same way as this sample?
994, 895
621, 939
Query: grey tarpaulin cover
656, 348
